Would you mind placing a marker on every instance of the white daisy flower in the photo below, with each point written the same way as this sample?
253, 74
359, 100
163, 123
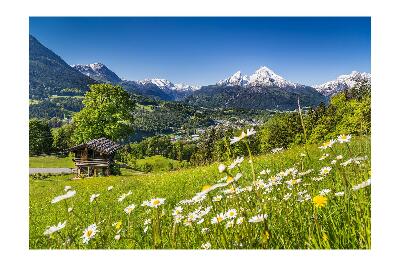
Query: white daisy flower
349, 161
178, 218
303, 155
236, 139
324, 156
318, 178
110, 188
239, 220
325, 170
66, 188
123, 196
145, 229
69, 194
129, 209
154, 203
344, 138
287, 196
258, 218
89, 233
305, 172
266, 171
231, 214
93, 197
250, 132
205, 230
218, 219
230, 223
117, 237
236, 162
293, 182
231, 190
177, 210
333, 162
217, 198
339, 157
339, 194
187, 222
324, 192
192, 216
198, 198
221, 168
327, 144
70, 209
54, 228
206, 245
362, 185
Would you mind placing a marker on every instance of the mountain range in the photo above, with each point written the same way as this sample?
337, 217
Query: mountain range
50, 75
342, 82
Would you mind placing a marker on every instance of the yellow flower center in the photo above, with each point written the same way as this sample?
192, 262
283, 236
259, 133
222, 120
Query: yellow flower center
156, 202
219, 219
205, 187
229, 179
89, 233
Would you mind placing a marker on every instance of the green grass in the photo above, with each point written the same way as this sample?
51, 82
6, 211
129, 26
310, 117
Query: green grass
157, 163
344, 223
50, 162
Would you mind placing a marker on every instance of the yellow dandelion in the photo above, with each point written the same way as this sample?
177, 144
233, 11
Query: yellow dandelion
320, 201
117, 225
265, 237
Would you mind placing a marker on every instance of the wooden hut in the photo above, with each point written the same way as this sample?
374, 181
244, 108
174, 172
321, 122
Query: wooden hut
94, 157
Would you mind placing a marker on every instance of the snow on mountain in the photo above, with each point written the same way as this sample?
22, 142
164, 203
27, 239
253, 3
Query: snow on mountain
236, 79
263, 77
266, 77
167, 85
342, 82
99, 72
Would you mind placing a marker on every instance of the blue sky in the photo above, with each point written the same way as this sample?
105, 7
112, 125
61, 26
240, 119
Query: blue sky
203, 50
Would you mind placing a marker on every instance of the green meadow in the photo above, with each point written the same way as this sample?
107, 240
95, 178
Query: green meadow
301, 198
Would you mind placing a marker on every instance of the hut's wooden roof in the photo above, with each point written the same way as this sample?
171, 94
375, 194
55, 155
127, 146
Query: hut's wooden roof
102, 145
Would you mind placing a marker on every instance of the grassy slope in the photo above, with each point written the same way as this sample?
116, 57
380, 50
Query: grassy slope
50, 162
287, 225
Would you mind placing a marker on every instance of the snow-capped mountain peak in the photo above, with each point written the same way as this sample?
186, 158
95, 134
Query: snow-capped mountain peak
98, 71
236, 79
262, 77
267, 77
342, 82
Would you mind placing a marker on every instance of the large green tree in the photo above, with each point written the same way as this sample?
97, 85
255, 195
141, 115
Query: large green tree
107, 113
40, 138
62, 137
